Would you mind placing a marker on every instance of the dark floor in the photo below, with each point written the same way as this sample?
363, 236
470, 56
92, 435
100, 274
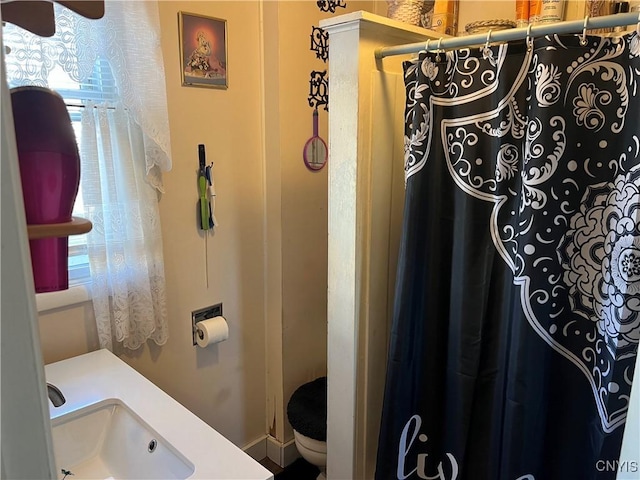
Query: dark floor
298, 470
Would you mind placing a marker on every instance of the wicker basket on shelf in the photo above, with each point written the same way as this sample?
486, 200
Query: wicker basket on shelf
408, 11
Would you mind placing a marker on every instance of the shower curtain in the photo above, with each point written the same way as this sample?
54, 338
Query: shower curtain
517, 306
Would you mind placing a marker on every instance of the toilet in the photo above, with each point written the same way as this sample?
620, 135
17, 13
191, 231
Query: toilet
307, 414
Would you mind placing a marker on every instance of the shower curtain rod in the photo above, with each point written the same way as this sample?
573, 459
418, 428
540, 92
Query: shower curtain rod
573, 26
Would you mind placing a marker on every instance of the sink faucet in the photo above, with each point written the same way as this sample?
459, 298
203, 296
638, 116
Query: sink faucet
55, 395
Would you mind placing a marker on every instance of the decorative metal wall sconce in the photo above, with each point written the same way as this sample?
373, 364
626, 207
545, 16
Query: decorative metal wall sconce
319, 90
330, 5
320, 43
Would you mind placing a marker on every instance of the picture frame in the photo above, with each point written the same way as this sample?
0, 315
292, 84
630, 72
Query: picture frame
203, 50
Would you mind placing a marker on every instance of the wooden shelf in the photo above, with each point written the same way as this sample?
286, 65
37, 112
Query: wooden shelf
77, 226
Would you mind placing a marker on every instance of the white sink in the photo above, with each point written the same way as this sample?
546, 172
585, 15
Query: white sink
108, 440
113, 416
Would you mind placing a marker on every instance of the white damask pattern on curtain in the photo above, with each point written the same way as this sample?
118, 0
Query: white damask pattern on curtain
125, 148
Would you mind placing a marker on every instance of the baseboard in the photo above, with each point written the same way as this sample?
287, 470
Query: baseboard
284, 454
267, 446
257, 449
290, 452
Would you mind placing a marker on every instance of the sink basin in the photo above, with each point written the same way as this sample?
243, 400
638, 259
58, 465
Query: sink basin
107, 440
116, 424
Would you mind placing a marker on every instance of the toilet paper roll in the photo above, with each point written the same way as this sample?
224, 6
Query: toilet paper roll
212, 330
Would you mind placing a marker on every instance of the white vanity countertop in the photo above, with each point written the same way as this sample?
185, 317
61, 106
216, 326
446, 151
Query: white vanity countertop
100, 375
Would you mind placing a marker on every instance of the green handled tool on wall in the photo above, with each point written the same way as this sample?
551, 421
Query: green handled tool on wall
205, 208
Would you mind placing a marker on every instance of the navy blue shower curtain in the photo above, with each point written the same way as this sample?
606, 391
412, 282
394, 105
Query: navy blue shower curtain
517, 307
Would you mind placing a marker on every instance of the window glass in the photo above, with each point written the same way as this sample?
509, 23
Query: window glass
100, 88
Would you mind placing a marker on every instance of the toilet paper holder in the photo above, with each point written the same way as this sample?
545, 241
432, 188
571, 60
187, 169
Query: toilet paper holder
203, 314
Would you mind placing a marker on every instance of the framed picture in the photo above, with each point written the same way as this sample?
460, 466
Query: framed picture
203, 50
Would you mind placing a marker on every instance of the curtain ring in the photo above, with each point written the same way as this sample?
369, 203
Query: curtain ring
426, 48
439, 49
583, 38
486, 50
529, 40
486, 45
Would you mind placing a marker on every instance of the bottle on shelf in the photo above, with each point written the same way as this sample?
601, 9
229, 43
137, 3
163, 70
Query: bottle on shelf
445, 17
546, 11
522, 13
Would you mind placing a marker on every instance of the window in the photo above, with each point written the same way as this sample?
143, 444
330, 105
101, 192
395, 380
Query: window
125, 147
100, 87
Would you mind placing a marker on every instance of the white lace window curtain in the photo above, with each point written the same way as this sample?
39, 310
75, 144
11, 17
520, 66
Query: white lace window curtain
125, 245
124, 148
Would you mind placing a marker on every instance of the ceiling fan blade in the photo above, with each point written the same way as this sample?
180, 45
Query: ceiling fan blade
87, 8
35, 16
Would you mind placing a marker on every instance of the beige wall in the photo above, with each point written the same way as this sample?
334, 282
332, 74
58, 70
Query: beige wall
225, 383
267, 260
297, 206
67, 332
